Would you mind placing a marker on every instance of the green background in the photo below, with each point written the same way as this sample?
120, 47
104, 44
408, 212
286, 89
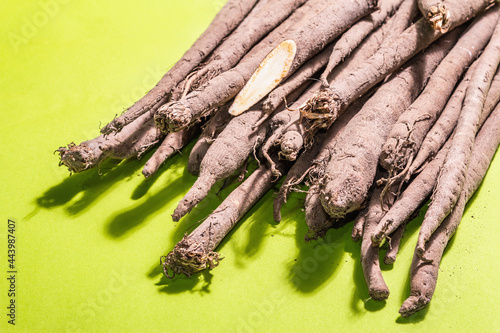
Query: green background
88, 246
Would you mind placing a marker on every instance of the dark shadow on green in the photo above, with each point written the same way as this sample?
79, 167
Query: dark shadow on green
147, 183
257, 229
62, 193
122, 223
94, 188
92, 183
181, 284
177, 160
317, 259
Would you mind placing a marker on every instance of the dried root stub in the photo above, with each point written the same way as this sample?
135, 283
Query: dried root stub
437, 13
78, 158
228, 18
175, 119
323, 109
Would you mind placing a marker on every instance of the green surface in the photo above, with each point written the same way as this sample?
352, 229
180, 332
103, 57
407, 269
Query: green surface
88, 246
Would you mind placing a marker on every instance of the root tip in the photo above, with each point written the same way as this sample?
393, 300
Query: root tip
379, 294
412, 305
389, 260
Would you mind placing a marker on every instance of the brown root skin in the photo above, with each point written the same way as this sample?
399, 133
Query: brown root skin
353, 164
425, 268
296, 175
286, 120
407, 135
228, 18
356, 34
359, 222
225, 156
443, 127
452, 175
411, 198
302, 27
197, 154
401, 20
390, 57
210, 130
392, 251
172, 143
317, 220
448, 119
196, 251
370, 255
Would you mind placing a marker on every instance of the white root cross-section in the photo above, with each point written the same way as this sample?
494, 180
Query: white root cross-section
272, 70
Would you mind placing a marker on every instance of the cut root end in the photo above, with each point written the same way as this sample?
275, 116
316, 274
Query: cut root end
188, 258
322, 109
76, 158
172, 117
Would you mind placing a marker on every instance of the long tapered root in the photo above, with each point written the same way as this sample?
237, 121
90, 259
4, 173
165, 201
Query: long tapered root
172, 117
197, 193
188, 258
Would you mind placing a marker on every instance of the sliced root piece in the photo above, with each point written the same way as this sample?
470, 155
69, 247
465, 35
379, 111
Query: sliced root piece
268, 75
